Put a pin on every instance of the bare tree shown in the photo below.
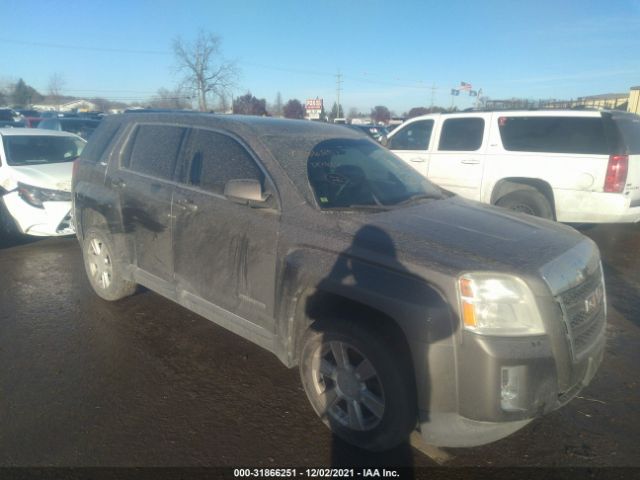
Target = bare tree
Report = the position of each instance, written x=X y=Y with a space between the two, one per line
x=380 y=114
x=56 y=85
x=277 y=106
x=223 y=104
x=205 y=69
x=249 y=105
x=293 y=109
x=173 y=99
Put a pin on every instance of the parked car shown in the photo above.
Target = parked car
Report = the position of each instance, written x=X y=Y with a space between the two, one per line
x=35 y=180
x=400 y=303
x=571 y=166
x=8 y=115
x=28 y=112
x=377 y=132
x=82 y=127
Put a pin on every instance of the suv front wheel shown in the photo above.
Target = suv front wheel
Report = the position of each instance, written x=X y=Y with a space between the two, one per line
x=357 y=385
x=103 y=266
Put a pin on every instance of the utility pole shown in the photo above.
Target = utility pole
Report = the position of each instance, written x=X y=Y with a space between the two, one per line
x=338 y=89
x=433 y=93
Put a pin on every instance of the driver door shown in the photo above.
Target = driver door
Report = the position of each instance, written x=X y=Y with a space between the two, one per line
x=411 y=143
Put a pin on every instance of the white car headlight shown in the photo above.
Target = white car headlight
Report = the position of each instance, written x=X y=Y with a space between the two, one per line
x=498 y=304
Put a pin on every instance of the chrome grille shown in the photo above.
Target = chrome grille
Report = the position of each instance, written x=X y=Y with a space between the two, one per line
x=584 y=310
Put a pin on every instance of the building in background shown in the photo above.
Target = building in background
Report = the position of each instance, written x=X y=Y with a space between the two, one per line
x=74 y=106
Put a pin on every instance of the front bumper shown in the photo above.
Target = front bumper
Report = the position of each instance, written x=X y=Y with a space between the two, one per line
x=52 y=220
x=483 y=416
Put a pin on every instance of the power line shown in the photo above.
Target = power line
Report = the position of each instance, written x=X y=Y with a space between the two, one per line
x=80 y=47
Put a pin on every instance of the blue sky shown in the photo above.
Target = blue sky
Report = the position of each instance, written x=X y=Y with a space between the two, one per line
x=390 y=52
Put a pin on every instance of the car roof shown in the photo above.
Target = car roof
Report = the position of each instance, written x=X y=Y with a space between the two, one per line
x=257 y=125
x=21 y=132
x=530 y=113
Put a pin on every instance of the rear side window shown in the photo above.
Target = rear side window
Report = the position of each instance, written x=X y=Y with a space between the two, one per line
x=414 y=136
x=155 y=150
x=100 y=140
x=214 y=159
x=554 y=134
x=461 y=134
x=629 y=129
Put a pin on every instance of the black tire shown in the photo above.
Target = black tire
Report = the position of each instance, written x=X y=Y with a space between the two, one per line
x=386 y=410
x=8 y=227
x=527 y=201
x=104 y=266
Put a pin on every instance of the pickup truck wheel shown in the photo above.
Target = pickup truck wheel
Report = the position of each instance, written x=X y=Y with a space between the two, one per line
x=103 y=266
x=357 y=385
x=531 y=202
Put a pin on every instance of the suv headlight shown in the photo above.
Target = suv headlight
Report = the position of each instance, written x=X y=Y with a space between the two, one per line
x=34 y=196
x=498 y=304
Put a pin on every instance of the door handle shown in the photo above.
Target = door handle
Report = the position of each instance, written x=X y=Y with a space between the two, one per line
x=417 y=159
x=470 y=162
x=188 y=205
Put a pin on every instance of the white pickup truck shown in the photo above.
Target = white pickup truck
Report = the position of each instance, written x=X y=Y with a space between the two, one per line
x=574 y=166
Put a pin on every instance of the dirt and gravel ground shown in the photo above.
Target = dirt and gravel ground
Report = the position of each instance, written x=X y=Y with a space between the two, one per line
x=144 y=382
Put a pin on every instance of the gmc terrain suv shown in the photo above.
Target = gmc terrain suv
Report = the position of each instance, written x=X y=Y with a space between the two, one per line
x=575 y=166
x=403 y=306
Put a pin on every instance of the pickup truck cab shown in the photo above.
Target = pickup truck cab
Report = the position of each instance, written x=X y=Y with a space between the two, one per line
x=574 y=166
x=402 y=305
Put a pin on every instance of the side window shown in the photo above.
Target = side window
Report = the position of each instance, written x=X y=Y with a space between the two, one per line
x=100 y=141
x=461 y=134
x=155 y=150
x=554 y=134
x=214 y=159
x=414 y=136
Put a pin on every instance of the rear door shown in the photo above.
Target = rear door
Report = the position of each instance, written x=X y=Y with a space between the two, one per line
x=225 y=252
x=145 y=182
x=411 y=143
x=457 y=162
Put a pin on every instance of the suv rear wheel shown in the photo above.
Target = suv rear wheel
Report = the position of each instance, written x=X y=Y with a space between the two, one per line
x=357 y=385
x=531 y=202
x=104 y=267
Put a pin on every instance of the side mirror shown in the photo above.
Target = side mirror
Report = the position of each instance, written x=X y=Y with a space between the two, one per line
x=384 y=141
x=244 y=191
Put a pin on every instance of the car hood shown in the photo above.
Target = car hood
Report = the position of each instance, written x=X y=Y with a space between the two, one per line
x=455 y=235
x=54 y=176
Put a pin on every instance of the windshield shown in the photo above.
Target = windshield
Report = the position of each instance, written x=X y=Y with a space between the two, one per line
x=349 y=173
x=39 y=149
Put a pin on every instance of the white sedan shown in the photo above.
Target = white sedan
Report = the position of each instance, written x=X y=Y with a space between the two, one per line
x=35 y=179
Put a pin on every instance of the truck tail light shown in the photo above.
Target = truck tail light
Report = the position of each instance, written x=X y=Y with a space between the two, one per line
x=616 y=177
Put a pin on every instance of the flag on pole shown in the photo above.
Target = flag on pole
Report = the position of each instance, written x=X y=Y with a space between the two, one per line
x=465 y=86
x=455 y=92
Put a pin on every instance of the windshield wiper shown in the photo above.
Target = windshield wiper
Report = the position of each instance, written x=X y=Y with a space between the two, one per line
x=377 y=208
x=417 y=198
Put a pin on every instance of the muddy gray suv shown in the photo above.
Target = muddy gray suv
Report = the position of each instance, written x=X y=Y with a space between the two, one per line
x=403 y=305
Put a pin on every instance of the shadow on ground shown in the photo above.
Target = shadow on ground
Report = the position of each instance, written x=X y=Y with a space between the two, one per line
x=14 y=240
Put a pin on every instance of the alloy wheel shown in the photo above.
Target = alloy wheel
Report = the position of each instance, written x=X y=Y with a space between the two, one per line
x=347 y=386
